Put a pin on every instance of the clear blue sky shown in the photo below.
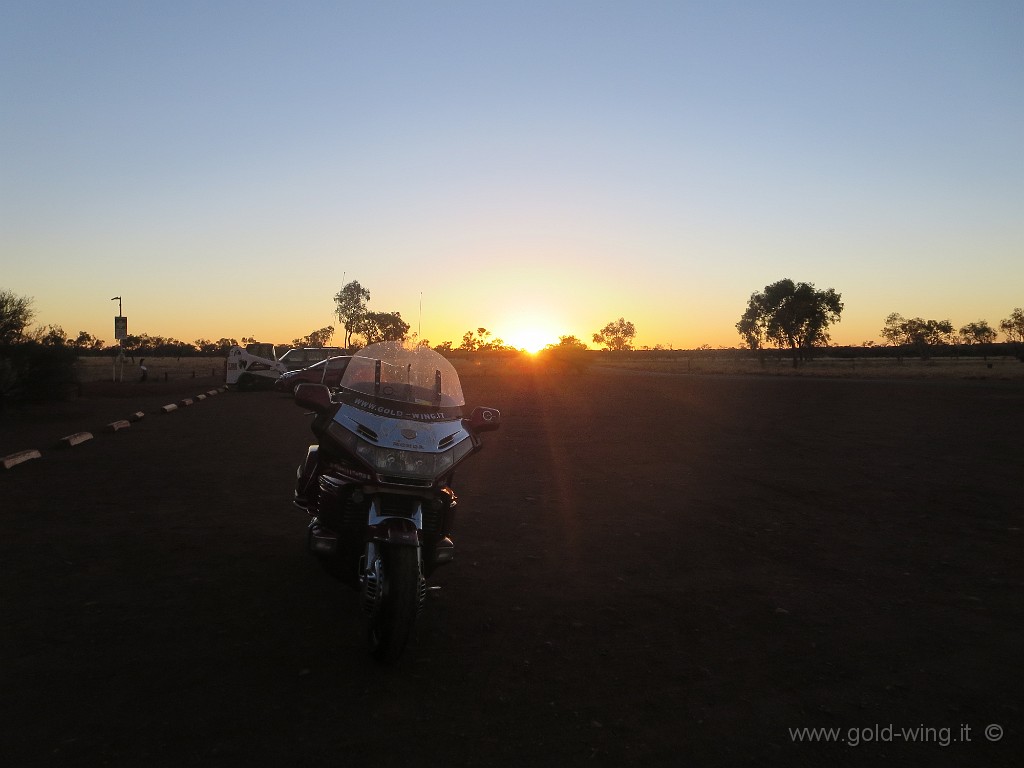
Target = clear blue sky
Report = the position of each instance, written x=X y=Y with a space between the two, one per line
x=224 y=166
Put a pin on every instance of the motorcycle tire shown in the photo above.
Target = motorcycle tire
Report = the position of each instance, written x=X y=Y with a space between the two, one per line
x=391 y=624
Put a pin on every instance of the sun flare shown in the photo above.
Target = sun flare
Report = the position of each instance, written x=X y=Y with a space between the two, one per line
x=532 y=340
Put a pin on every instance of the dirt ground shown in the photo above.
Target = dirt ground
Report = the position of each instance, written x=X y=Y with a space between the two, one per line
x=652 y=570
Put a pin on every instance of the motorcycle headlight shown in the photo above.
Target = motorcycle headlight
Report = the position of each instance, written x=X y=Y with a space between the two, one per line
x=395 y=461
x=427 y=466
x=344 y=437
x=444 y=461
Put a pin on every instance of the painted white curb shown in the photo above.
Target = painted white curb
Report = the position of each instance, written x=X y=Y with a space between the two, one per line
x=116 y=425
x=186 y=402
x=14 y=459
x=76 y=439
x=137 y=416
x=169 y=407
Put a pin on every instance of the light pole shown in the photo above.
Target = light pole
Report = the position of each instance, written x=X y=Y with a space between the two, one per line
x=120 y=333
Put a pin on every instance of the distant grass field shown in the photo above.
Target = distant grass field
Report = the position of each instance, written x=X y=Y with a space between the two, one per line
x=170 y=368
x=888 y=368
x=717 y=364
x=158 y=368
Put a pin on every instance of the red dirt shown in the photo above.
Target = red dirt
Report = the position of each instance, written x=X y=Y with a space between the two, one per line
x=651 y=570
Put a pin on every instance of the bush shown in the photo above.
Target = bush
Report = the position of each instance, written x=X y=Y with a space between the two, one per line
x=32 y=372
x=565 y=358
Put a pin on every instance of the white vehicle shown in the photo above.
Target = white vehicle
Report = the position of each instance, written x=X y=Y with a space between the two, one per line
x=254 y=366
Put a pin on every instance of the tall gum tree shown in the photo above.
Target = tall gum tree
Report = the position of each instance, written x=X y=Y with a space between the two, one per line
x=617 y=336
x=15 y=314
x=350 y=308
x=789 y=314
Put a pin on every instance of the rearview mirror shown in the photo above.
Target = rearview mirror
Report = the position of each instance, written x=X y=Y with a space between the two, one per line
x=316 y=397
x=484 y=419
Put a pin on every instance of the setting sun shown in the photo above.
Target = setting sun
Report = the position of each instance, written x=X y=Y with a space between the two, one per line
x=532 y=340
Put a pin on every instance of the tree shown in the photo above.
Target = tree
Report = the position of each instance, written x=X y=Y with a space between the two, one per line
x=351 y=303
x=618 y=335
x=205 y=346
x=568 y=353
x=789 y=314
x=15 y=314
x=916 y=332
x=86 y=340
x=567 y=343
x=53 y=336
x=480 y=341
x=753 y=323
x=1013 y=326
x=223 y=346
x=473 y=343
x=930 y=333
x=894 y=331
x=318 y=338
x=978 y=333
x=382 y=326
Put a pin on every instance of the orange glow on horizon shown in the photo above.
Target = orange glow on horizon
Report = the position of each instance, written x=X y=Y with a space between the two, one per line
x=528 y=338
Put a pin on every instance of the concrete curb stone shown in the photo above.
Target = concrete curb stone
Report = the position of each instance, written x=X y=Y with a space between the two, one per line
x=74 y=439
x=14 y=459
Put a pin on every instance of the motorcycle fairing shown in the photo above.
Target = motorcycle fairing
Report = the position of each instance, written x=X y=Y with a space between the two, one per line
x=305 y=475
x=390 y=432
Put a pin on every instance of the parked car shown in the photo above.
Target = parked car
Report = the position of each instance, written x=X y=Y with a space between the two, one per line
x=303 y=357
x=327 y=372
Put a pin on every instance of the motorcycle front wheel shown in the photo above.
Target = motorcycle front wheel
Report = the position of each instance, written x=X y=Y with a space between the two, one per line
x=391 y=624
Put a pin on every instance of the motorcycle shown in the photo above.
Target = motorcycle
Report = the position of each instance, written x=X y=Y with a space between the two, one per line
x=377 y=486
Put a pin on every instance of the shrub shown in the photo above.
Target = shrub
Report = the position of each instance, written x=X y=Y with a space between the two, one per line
x=32 y=372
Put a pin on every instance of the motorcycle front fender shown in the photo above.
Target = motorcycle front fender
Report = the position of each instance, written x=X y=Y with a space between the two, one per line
x=395 y=530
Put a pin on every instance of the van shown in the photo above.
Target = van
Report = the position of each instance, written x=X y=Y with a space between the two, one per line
x=303 y=357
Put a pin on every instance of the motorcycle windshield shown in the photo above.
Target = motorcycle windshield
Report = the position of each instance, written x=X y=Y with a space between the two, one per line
x=393 y=379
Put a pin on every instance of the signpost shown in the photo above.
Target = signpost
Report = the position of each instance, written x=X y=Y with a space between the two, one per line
x=120 y=322
x=120 y=333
